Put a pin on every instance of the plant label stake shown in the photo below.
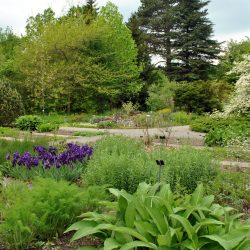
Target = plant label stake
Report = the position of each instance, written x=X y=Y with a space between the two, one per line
x=160 y=163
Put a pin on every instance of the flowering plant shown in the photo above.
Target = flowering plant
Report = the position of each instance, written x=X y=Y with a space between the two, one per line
x=71 y=162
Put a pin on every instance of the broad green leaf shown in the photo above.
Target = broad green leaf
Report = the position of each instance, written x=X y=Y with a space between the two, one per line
x=207 y=222
x=134 y=244
x=84 y=232
x=197 y=196
x=110 y=244
x=81 y=224
x=245 y=245
x=227 y=243
x=207 y=201
x=165 y=240
x=158 y=219
x=130 y=215
x=186 y=224
x=188 y=244
x=124 y=230
x=146 y=228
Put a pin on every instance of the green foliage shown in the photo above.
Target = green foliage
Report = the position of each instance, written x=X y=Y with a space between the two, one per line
x=120 y=162
x=74 y=66
x=68 y=173
x=222 y=130
x=181 y=118
x=11 y=104
x=48 y=209
x=221 y=136
x=233 y=53
x=161 y=95
x=186 y=167
x=153 y=218
x=129 y=108
x=185 y=22
x=107 y=124
x=231 y=189
x=200 y=97
x=47 y=127
x=123 y=163
x=28 y=122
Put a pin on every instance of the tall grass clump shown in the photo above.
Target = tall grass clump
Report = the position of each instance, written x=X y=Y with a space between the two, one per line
x=186 y=167
x=120 y=162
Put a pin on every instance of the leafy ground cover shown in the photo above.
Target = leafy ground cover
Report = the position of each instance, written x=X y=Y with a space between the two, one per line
x=153 y=218
x=222 y=131
x=122 y=164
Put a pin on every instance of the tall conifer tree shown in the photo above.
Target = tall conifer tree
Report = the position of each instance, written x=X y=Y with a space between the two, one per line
x=195 y=49
x=180 y=33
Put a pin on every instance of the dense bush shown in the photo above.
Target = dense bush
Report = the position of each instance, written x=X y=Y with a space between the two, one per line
x=107 y=124
x=123 y=163
x=154 y=218
x=200 y=97
x=161 y=95
x=181 y=118
x=120 y=162
x=186 y=167
x=221 y=131
x=28 y=122
x=37 y=212
x=47 y=127
x=11 y=104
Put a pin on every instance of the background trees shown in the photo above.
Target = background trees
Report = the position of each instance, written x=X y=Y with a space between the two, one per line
x=180 y=33
x=70 y=64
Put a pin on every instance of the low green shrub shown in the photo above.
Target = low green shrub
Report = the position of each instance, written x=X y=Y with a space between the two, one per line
x=11 y=104
x=107 y=124
x=222 y=131
x=186 y=167
x=200 y=96
x=206 y=123
x=42 y=210
x=47 y=127
x=28 y=122
x=181 y=118
x=121 y=162
x=154 y=218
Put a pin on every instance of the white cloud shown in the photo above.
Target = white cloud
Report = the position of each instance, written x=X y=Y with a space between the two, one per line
x=14 y=13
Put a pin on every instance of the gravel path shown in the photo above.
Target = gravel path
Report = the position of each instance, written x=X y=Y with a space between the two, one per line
x=177 y=133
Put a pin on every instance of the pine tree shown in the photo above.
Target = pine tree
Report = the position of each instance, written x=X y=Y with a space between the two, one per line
x=195 y=50
x=157 y=20
x=180 y=33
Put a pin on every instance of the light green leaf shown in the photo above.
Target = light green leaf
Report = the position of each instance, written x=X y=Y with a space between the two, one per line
x=110 y=244
x=134 y=244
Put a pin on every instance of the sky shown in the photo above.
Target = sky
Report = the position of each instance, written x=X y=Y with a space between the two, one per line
x=231 y=18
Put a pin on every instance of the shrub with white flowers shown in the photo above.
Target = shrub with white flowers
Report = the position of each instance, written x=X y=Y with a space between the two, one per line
x=240 y=101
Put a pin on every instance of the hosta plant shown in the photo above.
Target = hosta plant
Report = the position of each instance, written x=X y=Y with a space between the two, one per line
x=154 y=218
